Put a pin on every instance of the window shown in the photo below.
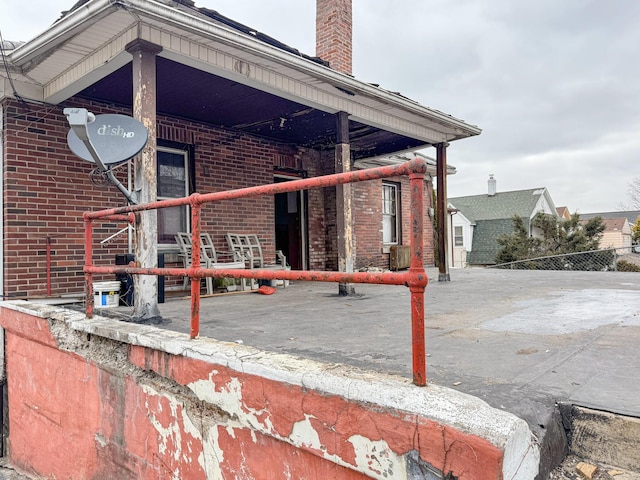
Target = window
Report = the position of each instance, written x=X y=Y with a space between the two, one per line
x=173 y=182
x=458 y=238
x=389 y=213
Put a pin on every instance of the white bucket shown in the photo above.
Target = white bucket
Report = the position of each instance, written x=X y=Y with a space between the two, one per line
x=106 y=294
x=279 y=282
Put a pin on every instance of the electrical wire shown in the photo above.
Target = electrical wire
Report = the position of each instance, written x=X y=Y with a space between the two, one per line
x=6 y=69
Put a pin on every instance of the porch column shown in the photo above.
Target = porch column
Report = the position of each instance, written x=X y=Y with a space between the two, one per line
x=441 y=207
x=145 y=177
x=344 y=217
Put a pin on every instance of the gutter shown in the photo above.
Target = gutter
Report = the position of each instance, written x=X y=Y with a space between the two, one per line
x=62 y=30
x=94 y=10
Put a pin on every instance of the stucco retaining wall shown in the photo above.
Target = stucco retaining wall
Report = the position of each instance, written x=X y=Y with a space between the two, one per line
x=103 y=399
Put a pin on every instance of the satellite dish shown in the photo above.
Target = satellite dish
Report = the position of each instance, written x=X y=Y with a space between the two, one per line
x=116 y=138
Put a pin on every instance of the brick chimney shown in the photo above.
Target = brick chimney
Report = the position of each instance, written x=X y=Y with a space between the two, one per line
x=334 y=33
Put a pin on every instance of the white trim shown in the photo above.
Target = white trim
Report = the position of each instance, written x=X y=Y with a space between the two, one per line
x=88 y=71
x=397 y=213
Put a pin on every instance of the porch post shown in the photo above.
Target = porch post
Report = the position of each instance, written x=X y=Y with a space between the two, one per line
x=441 y=207
x=145 y=177
x=344 y=217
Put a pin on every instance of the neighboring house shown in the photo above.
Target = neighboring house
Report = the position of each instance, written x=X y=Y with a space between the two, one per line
x=617 y=233
x=478 y=221
x=231 y=108
x=563 y=213
x=631 y=215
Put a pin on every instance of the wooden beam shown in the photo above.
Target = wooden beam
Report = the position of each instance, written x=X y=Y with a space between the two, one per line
x=344 y=212
x=145 y=177
x=443 y=216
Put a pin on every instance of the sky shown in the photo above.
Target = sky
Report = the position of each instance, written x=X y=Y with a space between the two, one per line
x=554 y=85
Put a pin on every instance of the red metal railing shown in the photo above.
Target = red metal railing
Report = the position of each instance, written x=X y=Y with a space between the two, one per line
x=415 y=278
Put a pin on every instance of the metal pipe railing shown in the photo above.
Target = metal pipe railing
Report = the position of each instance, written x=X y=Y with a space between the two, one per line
x=415 y=278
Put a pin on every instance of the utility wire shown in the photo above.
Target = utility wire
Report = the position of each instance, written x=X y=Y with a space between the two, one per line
x=6 y=69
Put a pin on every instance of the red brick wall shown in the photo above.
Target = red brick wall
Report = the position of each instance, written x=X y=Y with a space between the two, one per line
x=367 y=200
x=367 y=212
x=322 y=254
x=46 y=190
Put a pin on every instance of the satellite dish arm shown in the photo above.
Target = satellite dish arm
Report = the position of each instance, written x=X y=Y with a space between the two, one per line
x=78 y=119
x=112 y=177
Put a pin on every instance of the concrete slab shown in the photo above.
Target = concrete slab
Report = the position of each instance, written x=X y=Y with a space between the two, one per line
x=520 y=340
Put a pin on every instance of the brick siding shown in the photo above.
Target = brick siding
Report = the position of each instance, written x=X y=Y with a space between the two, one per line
x=334 y=33
x=47 y=189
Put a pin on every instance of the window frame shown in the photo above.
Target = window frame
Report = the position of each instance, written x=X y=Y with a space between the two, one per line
x=187 y=156
x=458 y=240
x=395 y=187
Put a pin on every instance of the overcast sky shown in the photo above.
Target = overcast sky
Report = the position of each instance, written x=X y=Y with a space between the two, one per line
x=554 y=85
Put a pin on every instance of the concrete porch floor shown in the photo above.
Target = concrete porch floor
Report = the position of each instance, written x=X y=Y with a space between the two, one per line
x=520 y=340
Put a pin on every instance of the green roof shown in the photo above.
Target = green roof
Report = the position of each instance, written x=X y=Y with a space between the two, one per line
x=499 y=206
x=492 y=217
x=485 y=240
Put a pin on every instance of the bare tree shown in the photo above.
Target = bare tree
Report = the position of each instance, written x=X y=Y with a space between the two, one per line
x=633 y=192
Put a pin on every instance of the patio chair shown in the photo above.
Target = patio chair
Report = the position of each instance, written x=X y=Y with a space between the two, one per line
x=209 y=257
x=248 y=247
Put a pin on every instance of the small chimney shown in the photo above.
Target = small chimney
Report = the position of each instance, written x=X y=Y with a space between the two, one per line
x=492 y=185
x=334 y=33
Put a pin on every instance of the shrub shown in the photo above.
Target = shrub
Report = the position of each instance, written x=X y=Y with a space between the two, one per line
x=624 y=266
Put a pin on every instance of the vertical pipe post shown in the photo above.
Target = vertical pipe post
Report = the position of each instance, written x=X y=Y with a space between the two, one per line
x=441 y=172
x=344 y=212
x=145 y=175
x=195 y=263
x=418 y=280
x=88 y=262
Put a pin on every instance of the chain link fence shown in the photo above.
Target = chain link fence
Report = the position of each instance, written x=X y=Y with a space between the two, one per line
x=607 y=260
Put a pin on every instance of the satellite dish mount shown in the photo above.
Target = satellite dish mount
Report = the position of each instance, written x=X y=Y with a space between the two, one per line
x=105 y=140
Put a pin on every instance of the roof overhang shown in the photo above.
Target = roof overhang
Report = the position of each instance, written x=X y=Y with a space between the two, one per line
x=86 y=48
x=400 y=158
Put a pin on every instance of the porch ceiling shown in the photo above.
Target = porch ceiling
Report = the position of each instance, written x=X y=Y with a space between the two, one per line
x=186 y=92
x=214 y=71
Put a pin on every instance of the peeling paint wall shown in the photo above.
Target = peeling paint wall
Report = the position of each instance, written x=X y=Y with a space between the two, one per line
x=105 y=399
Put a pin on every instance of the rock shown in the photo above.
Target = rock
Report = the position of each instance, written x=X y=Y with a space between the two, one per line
x=586 y=470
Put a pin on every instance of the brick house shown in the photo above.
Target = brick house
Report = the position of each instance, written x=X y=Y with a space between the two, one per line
x=232 y=108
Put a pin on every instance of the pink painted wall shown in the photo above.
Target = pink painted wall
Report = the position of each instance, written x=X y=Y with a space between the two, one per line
x=85 y=406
